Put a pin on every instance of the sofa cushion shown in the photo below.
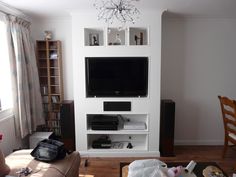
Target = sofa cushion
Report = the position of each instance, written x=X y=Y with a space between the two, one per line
x=4 y=169
x=69 y=166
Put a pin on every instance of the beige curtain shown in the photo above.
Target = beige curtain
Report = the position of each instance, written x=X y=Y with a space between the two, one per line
x=27 y=100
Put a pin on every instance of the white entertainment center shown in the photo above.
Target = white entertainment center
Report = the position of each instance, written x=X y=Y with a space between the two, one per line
x=91 y=38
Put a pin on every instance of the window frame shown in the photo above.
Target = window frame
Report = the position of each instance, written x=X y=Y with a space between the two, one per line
x=6 y=113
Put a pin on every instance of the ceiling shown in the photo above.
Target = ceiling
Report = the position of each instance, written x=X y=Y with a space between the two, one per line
x=192 y=8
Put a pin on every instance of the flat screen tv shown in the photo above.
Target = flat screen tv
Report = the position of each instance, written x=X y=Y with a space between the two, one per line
x=116 y=76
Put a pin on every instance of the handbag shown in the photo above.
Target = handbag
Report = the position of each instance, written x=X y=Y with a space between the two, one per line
x=49 y=150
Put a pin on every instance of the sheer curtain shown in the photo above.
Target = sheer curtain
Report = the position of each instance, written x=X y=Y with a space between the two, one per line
x=27 y=101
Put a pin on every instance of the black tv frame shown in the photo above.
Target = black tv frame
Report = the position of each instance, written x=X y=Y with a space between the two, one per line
x=122 y=93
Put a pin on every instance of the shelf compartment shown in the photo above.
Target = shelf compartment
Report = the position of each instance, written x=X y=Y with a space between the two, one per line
x=42 y=54
x=138 y=36
x=43 y=71
x=138 y=141
x=54 y=80
x=53 y=63
x=115 y=36
x=93 y=37
x=53 y=45
x=55 y=91
x=132 y=118
x=43 y=81
x=54 y=72
x=41 y=45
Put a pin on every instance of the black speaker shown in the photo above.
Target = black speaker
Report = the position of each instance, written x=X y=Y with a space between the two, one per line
x=167 y=128
x=67 y=121
x=117 y=106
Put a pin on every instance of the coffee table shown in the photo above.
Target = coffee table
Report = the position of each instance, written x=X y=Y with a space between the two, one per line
x=197 y=170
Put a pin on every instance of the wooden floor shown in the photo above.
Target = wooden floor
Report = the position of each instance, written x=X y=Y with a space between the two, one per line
x=110 y=167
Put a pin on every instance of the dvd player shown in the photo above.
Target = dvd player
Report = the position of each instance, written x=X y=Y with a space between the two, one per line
x=102 y=143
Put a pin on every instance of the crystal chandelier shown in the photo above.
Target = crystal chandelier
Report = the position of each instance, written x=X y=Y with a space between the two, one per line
x=122 y=10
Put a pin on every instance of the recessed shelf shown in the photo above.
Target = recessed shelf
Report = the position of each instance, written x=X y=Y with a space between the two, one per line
x=116 y=36
x=132 y=36
x=93 y=37
x=138 y=141
x=138 y=36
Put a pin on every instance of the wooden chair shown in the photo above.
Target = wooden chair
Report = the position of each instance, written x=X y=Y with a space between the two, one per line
x=228 y=109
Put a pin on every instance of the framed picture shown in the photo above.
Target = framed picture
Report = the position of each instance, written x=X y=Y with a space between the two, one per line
x=94 y=39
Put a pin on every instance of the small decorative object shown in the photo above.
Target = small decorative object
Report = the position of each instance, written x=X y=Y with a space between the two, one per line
x=174 y=171
x=190 y=166
x=47 y=35
x=94 y=39
x=140 y=39
x=4 y=168
x=117 y=40
x=121 y=10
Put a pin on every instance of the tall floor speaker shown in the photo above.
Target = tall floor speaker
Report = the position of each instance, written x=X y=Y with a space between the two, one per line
x=67 y=120
x=167 y=126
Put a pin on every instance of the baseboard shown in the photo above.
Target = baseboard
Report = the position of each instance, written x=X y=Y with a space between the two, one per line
x=199 y=142
x=120 y=154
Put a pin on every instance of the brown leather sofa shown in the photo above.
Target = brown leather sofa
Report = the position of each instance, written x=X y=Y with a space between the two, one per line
x=67 y=167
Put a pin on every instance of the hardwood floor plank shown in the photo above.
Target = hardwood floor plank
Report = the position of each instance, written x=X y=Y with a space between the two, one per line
x=110 y=167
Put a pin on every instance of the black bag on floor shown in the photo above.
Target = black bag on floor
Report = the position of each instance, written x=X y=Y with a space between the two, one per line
x=49 y=150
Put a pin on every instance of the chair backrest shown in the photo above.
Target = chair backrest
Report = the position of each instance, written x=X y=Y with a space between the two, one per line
x=228 y=109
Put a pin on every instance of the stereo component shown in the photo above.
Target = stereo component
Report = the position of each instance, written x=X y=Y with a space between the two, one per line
x=167 y=126
x=117 y=106
x=67 y=121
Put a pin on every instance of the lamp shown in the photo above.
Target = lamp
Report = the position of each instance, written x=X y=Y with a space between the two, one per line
x=122 y=10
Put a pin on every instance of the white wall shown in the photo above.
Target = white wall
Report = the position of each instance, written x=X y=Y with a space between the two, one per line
x=61 y=30
x=10 y=141
x=198 y=64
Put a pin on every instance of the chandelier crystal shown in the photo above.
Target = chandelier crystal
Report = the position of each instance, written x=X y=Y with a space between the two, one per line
x=122 y=10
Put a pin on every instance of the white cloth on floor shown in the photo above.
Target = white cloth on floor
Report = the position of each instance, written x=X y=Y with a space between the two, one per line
x=147 y=168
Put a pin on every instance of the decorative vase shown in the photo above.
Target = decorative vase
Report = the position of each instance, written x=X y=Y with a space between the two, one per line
x=4 y=168
x=117 y=40
x=47 y=35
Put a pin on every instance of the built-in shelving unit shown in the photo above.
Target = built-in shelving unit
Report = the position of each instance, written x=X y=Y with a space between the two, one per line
x=51 y=85
x=133 y=36
x=94 y=39
x=139 y=138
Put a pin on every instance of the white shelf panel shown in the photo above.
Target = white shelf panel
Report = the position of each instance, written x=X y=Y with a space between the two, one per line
x=145 y=132
x=137 y=146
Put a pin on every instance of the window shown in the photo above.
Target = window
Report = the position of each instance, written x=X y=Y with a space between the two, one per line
x=5 y=80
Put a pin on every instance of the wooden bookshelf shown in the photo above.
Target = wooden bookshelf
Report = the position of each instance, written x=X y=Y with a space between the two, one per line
x=49 y=61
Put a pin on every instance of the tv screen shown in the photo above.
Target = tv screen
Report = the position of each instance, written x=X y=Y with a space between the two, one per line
x=116 y=76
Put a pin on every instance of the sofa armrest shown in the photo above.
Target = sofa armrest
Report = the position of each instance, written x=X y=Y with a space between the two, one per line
x=69 y=166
